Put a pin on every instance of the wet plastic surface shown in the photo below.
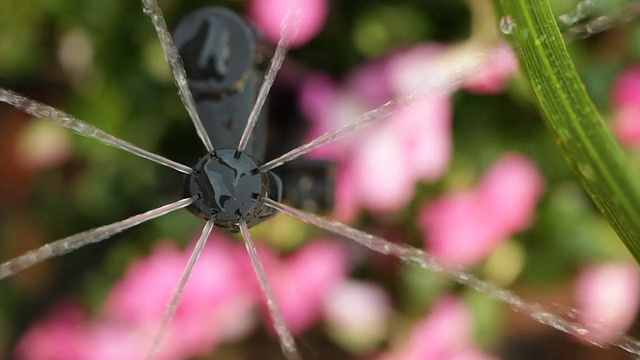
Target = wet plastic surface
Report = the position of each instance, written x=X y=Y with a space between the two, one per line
x=227 y=183
x=219 y=52
x=222 y=62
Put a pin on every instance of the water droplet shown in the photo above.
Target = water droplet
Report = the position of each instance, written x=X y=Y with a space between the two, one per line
x=581 y=331
x=507 y=24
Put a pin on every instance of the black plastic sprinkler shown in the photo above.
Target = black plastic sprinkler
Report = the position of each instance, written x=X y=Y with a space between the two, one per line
x=225 y=66
x=220 y=58
x=220 y=54
x=228 y=187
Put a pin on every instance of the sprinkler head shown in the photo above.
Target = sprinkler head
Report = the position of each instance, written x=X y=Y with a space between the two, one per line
x=228 y=187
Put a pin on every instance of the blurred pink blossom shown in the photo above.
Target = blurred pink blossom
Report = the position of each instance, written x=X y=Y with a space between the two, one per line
x=216 y=304
x=302 y=281
x=626 y=104
x=421 y=70
x=380 y=166
x=626 y=126
x=607 y=297
x=498 y=67
x=105 y=340
x=433 y=68
x=626 y=90
x=217 y=277
x=445 y=334
x=462 y=228
x=357 y=314
x=511 y=189
x=268 y=16
x=328 y=107
x=58 y=337
x=68 y=334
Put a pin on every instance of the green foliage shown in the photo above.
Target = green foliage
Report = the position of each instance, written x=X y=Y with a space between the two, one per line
x=573 y=119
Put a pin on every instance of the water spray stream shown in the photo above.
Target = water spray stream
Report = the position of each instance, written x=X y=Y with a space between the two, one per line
x=151 y=8
x=68 y=244
x=290 y=23
x=176 y=295
x=418 y=257
x=287 y=343
x=61 y=118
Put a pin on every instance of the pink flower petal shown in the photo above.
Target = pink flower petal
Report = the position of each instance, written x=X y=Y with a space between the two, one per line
x=626 y=89
x=471 y=354
x=381 y=166
x=268 y=16
x=328 y=107
x=216 y=303
x=129 y=298
x=302 y=281
x=464 y=227
x=106 y=340
x=511 y=189
x=444 y=334
x=607 y=297
x=459 y=230
x=371 y=82
x=428 y=117
x=382 y=181
x=346 y=200
x=390 y=158
x=316 y=96
x=357 y=313
x=419 y=71
x=492 y=77
x=626 y=104
x=626 y=126
x=60 y=336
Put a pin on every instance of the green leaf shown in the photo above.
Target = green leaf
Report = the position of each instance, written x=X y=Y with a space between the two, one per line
x=578 y=128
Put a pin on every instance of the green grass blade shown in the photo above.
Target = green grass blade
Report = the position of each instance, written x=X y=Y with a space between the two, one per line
x=578 y=128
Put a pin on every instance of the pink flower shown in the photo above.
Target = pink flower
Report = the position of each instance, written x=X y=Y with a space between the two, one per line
x=511 y=189
x=372 y=81
x=216 y=304
x=607 y=297
x=390 y=159
x=327 y=107
x=59 y=337
x=626 y=103
x=357 y=314
x=421 y=70
x=439 y=69
x=444 y=334
x=462 y=228
x=105 y=340
x=498 y=67
x=626 y=126
x=302 y=281
x=626 y=90
x=268 y=16
x=380 y=167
